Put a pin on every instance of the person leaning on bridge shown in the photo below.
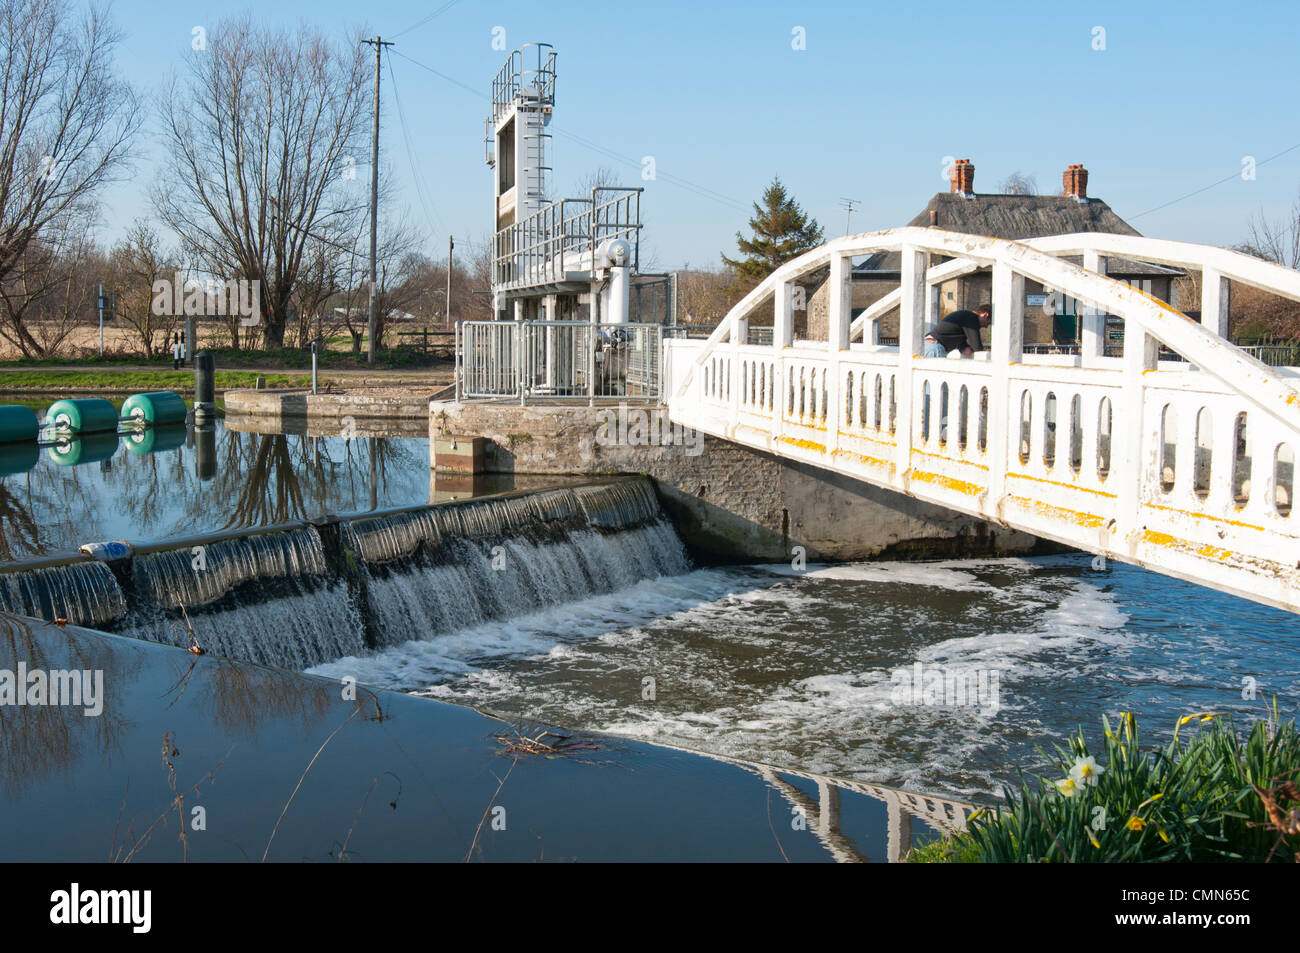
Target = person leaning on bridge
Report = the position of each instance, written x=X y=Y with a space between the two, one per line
x=932 y=346
x=960 y=331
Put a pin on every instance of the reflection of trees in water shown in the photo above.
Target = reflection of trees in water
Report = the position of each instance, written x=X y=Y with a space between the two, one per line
x=259 y=479
x=270 y=492
x=39 y=741
x=19 y=534
x=242 y=698
x=299 y=477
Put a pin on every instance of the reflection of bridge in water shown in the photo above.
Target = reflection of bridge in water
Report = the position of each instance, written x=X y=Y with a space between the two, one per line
x=945 y=816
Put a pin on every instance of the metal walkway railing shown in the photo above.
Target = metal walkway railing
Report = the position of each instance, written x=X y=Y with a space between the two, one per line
x=549 y=361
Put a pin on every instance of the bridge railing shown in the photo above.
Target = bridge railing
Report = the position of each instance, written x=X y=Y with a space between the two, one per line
x=1187 y=466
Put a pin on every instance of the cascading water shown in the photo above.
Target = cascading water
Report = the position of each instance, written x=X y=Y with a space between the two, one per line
x=83 y=593
x=294 y=599
x=267 y=598
x=435 y=571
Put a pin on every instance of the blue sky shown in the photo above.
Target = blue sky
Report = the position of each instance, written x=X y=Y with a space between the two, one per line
x=881 y=94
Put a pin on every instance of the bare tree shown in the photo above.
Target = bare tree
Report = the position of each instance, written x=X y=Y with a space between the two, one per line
x=601 y=178
x=350 y=306
x=65 y=126
x=704 y=296
x=262 y=138
x=46 y=293
x=319 y=280
x=1256 y=314
x=1017 y=183
x=1276 y=241
x=135 y=263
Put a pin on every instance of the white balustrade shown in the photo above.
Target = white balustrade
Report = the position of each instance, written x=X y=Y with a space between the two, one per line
x=1184 y=467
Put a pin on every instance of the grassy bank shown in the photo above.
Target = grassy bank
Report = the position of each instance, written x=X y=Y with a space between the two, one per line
x=1210 y=795
x=401 y=358
x=63 y=381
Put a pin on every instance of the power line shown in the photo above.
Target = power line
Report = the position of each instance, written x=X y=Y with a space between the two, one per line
x=441 y=10
x=675 y=180
x=1212 y=185
x=451 y=79
x=430 y=211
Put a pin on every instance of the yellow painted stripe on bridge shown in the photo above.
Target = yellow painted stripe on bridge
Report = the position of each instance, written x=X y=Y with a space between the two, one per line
x=1200 y=549
x=947 y=459
x=863 y=458
x=1090 y=520
x=1068 y=486
x=947 y=482
x=1204 y=516
x=803 y=444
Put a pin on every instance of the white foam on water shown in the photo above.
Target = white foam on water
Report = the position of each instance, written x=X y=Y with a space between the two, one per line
x=549 y=632
x=929 y=575
x=841 y=721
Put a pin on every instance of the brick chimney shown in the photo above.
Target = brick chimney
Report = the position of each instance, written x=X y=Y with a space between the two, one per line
x=962 y=177
x=1075 y=181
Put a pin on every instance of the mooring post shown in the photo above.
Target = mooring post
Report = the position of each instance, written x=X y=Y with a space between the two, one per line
x=205 y=392
x=313 y=368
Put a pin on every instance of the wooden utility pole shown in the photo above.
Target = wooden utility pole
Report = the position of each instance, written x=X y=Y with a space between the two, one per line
x=450 y=245
x=379 y=45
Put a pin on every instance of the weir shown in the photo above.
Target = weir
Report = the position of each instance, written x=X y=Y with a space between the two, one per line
x=299 y=595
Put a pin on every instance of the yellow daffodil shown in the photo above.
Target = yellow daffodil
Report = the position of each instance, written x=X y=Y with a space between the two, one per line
x=1093 y=837
x=1150 y=800
x=1163 y=836
x=1135 y=823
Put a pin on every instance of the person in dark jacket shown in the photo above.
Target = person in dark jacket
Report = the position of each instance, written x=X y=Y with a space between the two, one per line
x=960 y=331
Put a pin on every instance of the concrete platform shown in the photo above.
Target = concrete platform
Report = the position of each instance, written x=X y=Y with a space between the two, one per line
x=384 y=403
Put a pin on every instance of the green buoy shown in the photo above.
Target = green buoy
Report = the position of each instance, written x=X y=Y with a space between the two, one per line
x=82 y=415
x=18 y=457
x=155 y=439
x=18 y=423
x=91 y=448
x=154 y=408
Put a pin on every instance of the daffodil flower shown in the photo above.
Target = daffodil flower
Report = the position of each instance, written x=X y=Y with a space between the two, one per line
x=1086 y=770
x=1068 y=787
x=1093 y=837
x=1163 y=836
x=1135 y=823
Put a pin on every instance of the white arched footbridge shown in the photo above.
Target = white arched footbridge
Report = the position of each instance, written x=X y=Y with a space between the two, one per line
x=1184 y=467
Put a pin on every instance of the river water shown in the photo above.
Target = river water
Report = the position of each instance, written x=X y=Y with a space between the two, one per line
x=810 y=669
x=797 y=668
